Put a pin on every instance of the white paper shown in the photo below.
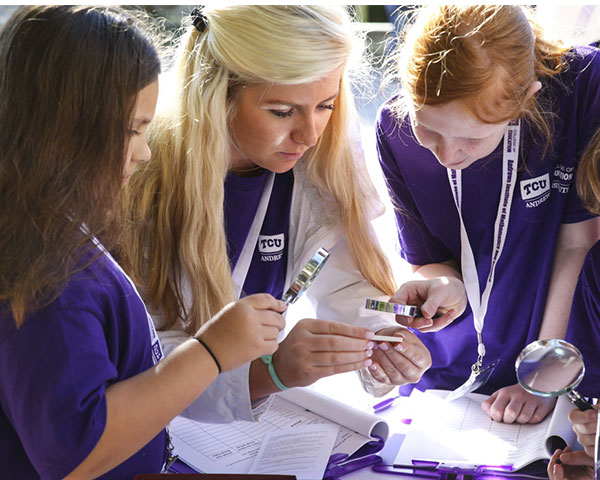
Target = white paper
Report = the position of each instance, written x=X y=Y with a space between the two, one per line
x=231 y=448
x=460 y=432
x=302 y=451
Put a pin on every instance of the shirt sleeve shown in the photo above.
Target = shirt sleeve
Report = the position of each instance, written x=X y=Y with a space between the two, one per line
x=55 y=369
x=417 y=245
x=586 y=90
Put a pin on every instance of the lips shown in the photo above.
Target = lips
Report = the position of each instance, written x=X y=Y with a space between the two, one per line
x=291 y=156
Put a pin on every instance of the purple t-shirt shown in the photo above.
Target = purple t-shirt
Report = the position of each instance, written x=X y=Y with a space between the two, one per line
x=544 y=198
x=267 y=270
x=584 y=324
x=55 y=369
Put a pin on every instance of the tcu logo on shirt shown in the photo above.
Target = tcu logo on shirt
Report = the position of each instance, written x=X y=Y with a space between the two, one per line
x=535 y=191
x=271 y=247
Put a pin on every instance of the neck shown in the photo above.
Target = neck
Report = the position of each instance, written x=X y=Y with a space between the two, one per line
x=254 y=171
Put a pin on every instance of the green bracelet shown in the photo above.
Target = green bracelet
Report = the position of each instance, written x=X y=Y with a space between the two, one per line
x=268 y=360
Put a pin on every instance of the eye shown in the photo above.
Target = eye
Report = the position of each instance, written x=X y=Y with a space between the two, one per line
x=329 y=106
x=282 y=114
x=133 y=133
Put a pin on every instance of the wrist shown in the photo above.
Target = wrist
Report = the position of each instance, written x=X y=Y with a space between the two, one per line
x=268 y=360
x=209 y=350
x=259 y=382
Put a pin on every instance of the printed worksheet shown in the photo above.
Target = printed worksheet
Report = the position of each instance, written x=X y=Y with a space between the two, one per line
x=231 y=448
x=460 y=432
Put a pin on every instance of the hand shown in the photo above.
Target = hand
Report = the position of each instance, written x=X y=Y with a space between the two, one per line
x=244 y=330
x=318 y=348
x=441 y=295
x=399 y=363
x=513 y=404
x=573 y=465
x=584 y=425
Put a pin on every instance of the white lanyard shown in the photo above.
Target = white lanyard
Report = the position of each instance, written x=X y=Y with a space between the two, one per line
x=478 y=301
x=243 y=264
x=157 y=352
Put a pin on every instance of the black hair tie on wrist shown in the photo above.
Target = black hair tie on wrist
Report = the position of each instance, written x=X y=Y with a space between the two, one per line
x=199 y=20
x=210 y=352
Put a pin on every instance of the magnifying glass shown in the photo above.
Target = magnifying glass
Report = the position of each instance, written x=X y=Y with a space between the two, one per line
x=550 y=368
x=296 y=290
x=306 y=276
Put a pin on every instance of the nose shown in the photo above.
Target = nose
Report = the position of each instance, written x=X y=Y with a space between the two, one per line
x=307 y=131
x=447 y=152
x=141 y=151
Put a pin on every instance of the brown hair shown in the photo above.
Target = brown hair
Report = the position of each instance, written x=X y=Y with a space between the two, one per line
x=69 y=77
x=485 y=56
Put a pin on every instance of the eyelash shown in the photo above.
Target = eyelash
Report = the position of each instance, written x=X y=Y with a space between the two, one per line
x=289 y=113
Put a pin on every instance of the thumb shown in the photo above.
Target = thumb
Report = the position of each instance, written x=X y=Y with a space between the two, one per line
x=264 y=301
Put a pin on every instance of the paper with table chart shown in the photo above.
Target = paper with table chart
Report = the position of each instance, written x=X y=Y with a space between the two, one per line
x=231 y=448
x=460 y=432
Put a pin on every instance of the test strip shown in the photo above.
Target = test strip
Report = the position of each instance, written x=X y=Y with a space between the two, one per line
x=395 y=308
x=386 y=338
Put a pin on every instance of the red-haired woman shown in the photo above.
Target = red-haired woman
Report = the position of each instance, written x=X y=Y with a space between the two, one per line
x=479 y=152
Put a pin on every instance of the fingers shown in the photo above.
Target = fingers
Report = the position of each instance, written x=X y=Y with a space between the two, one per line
x=264 y=301
x=578 y=457
x=330 y=327
x=435 y=324
x=555 y=471
x=512 y=404
x=494 y=406
x=589 y=417
x=400 y=363
x=268 y=318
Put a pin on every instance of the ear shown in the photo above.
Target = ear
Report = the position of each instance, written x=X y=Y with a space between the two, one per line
x=533 y=89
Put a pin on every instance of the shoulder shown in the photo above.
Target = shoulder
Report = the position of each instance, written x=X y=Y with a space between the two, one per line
x=389 y=120
x=582 y=65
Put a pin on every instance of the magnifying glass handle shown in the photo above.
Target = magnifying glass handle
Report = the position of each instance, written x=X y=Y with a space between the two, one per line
x=580 y=402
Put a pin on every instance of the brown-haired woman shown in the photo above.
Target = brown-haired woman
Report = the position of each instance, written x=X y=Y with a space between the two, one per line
x=497 y=223
x=82 y=394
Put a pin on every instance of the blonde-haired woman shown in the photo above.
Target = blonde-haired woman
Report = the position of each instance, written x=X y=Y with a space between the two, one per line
x=497 y=222
x=253 y=170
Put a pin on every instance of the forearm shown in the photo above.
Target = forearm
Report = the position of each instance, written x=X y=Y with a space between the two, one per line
x=449 y=268
x=139 y=408
x=565 y=271
x=572 y=246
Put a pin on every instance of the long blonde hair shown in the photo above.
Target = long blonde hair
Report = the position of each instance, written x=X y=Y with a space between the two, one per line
x=485 y=56
x=176 y=201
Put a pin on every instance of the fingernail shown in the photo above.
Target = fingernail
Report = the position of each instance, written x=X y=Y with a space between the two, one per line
x=399 y=347
x=371 y=345
x=369 y=335
x=427 y=323
x=369 y=363
x=384 y=346
x=369 y=352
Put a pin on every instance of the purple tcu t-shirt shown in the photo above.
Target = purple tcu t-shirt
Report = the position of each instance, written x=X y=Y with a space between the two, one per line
x=584 y=324
x=55 y=369
x=545 y=197
x=267 y=270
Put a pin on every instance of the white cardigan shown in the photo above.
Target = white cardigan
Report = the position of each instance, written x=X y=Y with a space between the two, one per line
x=338 y=293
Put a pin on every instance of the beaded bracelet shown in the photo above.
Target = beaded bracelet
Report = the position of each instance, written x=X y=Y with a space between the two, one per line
x=209 y=351
x=268 y=360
